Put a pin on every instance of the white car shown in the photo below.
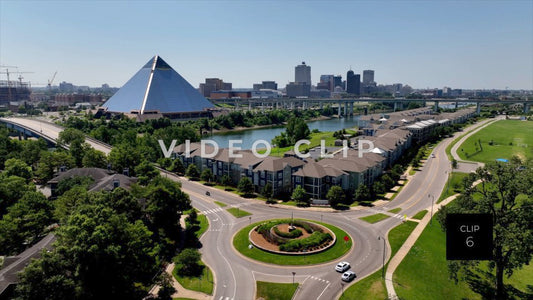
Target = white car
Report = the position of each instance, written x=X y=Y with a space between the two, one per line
x=348 y=276
x=342 y=266
x=432 y=155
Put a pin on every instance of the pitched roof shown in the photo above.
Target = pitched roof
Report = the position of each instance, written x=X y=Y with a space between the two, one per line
x=157 y=87
x=274 y=164
x=103 y=179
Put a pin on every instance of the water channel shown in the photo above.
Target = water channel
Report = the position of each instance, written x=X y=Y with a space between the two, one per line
x=249 y=136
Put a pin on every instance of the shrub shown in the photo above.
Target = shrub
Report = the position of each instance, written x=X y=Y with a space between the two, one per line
x=314 y=240
x=290 y=235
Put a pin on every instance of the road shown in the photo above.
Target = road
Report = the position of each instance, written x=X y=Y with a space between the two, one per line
x=235 y=275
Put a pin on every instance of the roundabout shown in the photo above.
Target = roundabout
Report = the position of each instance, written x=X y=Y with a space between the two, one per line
x=307 y=242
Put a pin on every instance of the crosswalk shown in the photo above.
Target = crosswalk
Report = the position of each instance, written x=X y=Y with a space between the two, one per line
x=319 y=279
x=384 y=210
x=212 y=211
x=227 y=298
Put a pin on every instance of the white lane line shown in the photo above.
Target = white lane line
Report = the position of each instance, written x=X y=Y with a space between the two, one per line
x=322 y=292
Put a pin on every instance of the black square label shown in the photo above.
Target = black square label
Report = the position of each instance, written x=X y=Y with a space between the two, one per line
x=469 y=236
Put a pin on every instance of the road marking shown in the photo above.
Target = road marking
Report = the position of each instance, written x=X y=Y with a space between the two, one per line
x=323 y=292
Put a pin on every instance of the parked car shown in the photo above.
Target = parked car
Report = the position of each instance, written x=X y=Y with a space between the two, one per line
x=348 y=276
x=342 y=266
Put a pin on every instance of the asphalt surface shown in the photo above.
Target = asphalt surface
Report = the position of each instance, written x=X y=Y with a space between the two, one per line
x=235 y=275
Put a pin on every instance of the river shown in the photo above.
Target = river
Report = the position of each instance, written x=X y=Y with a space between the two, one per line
x=249 y=136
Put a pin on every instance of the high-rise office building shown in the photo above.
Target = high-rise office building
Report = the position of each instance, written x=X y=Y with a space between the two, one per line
x=270 y=85
x=302 y=73
x=353 y=83
x=326 y=83
x=337 y=82
x=368 y=77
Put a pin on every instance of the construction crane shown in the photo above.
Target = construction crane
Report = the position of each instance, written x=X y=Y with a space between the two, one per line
x=51 y=81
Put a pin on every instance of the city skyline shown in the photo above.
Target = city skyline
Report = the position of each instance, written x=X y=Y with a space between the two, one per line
x=469 y=45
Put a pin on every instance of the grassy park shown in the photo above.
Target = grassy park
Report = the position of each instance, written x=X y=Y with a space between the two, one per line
x=502 y=139
x=427 y=259
x=275 y=291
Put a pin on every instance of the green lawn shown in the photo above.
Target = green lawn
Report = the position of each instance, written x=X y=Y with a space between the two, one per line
x=241 y=242
x=510 y=137
x=374 y=218
x=419 y=215
x=423 y=274
x=238 y=213
x=453 y=186
x=221 y=204
x=315 y=139
x=204 y=224
x=275 y=291
x=202 y=284
x=427 y=259
x=373 y=287
x=395 y=210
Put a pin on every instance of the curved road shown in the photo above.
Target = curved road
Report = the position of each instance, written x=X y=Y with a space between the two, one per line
x=235 y=275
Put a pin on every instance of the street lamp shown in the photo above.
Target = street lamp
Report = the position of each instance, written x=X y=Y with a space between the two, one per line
x=293 y=273
x=431 y=220
x=383 y=267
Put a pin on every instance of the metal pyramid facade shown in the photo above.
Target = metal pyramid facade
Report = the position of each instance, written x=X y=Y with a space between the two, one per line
x=156 y=87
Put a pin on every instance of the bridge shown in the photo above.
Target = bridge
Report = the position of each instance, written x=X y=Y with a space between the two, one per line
x=348 y=103
x=32 y=127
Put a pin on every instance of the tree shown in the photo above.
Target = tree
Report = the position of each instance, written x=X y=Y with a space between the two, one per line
x=454 y=163
x=245 y=186
x=387 y=181
x=145 y=172
x=335 y=196
x=94 y=159
x=506 y=193
x=124 y=156
x=225 y=180
x=17 y=167
x=166 y=289
x=300 y=196
x=12 y=188
x=378 y=187
x=192 y=171
x=165 y=202
x=96 y=245
x=75 y=140
x=50 y=162
x=297 y=130
x=207 y=175
x=267 y=190
x=24 y=222
x=192 y=218
x=68 y=183
x=362 y=193
x=188 y=262
x=177 y=166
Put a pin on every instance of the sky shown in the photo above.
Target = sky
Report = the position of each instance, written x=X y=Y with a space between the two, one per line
x=426 y=44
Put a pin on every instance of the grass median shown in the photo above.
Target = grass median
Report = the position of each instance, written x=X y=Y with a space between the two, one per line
x=238 y=213
x=275 y=291
x=241 y=243
x=375 y=218
x=203 y=283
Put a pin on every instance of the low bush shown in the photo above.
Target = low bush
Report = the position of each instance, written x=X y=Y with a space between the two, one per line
x=314 y=240
x=290 y=235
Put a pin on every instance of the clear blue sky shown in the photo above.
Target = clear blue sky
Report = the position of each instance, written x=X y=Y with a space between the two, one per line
x=461 y=44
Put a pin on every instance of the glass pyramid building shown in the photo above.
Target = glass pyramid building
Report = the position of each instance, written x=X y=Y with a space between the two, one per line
x=157 y=88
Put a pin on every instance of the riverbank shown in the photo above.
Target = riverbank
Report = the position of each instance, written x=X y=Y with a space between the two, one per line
x=242 y=128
